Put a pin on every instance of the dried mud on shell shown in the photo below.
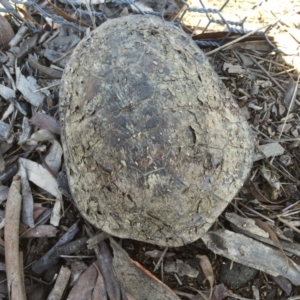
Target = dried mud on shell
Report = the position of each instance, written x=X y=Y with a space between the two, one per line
x=155 y=146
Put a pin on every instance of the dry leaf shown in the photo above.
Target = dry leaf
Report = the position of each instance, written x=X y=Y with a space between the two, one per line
x=270 y=177
x=137 y=280
x=249 y=252
x=99 y=292
x=3 y=193
x=41 y=231
x=44 y=121
x=53 y=158
x=220 y=292
x=55 y=215
x=85 y=284
x=47 y=260
x=27 y=86
x=6 y=92
x=180 y=268
x=41 y=177
x=27 y=207
x=26 y=130
x=157 y=254
x=4 y=131
x=207 y=270
x=60 y=284
x=267 y=228
x=43 y=70
x=42 y=135
x=284 y=284
x=268 y=150
x=77 y=268
x=6 y=33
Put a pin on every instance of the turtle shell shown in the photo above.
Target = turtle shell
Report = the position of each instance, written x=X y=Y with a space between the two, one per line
x=155 y=147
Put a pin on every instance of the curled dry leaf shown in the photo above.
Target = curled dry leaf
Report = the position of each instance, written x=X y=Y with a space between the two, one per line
x=6 y=33
x=207 y=270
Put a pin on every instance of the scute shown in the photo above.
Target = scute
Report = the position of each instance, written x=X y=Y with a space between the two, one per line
x=155 y=147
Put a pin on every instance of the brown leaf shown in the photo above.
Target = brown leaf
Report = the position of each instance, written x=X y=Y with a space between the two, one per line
x=207 y=270
x=44 y=121
x=267 y=228
x=41 y=231
x=135 y=278
x=84 y=285
x=257 y=193
x=220 y=292
x=6 y=33
x=284 y=283
x=99 y=292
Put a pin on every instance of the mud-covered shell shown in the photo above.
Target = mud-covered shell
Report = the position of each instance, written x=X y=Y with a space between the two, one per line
x=155 y=146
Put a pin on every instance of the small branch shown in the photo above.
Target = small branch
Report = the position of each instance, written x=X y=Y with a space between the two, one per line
x=14 y=270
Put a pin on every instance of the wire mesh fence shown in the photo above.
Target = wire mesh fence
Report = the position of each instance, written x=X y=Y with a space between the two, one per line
x=188 y=14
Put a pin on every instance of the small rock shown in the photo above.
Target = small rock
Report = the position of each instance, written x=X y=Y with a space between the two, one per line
x=238 y=276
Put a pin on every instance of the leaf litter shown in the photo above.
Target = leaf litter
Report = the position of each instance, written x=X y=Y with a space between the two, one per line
x=60 y=252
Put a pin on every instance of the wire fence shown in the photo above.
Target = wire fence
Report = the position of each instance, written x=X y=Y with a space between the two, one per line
x=97 y=9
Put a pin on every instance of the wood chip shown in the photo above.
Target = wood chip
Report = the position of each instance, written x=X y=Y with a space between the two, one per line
x=268 y=150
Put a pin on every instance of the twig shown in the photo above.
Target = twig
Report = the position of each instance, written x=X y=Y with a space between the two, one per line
x=160 y=259
x=288 y=224
x=267 y=73
x=16 y=288
x=236 y=40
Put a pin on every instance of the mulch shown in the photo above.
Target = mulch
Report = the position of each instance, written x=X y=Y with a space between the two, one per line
x=48 y=251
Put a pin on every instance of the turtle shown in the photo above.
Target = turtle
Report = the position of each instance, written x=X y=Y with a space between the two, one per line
x=155 y=146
